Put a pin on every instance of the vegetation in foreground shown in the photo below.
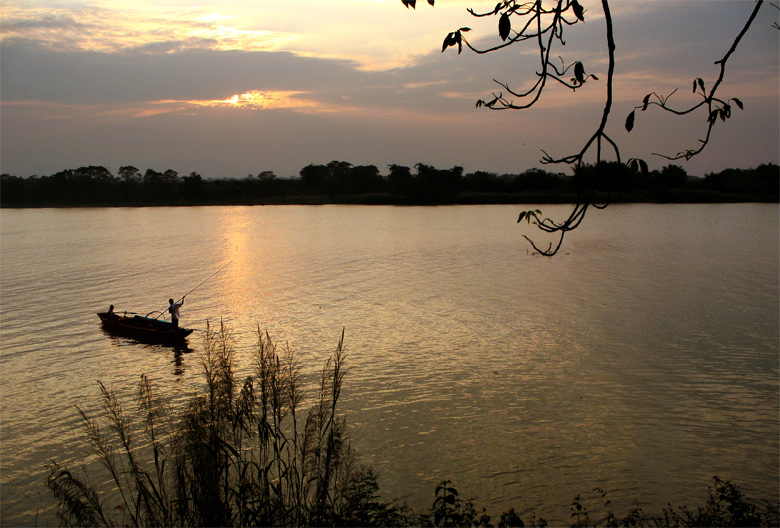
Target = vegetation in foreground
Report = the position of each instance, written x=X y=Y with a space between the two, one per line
x=243 y=453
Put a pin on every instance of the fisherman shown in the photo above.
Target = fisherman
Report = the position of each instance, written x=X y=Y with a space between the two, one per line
x=111 y=312
x=173 y=309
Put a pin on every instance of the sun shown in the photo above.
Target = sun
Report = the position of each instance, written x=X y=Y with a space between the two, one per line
x=264 y=100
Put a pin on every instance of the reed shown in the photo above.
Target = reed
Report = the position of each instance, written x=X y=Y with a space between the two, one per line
x=243 y=453
x=240 y=454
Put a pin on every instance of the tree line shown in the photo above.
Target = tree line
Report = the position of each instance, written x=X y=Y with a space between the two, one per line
x=343 y=182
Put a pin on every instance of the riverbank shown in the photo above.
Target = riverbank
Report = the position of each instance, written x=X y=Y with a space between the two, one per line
x=668 y=196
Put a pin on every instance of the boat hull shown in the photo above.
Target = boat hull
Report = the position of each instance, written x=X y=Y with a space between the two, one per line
x=143 y=328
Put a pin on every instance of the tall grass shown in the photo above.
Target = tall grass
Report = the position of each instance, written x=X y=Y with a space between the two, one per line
x=242 y=453
x=245 y=453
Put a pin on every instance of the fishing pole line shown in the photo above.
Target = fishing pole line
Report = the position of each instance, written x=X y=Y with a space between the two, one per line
x=206 y=280
x=196 y=287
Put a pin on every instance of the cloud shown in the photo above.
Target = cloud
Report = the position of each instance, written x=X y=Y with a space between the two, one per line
x=276 y=88
x=193 y=71
x=32 y=72
x=694 y=36
x=90 y=56
x=113 y=30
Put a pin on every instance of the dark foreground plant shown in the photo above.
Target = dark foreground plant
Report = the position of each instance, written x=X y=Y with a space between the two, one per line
x=240 y=454
x=450 y=510
x=726 y=505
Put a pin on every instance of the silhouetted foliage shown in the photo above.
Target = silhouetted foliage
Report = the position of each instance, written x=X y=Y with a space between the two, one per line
x=539 y=180
x=542 y=24
x=400 y=180
x=762 y=180
x=341 y=182
x=129 y=174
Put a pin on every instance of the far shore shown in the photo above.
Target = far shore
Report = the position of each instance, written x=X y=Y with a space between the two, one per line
x=672 y=196
x=343 y=183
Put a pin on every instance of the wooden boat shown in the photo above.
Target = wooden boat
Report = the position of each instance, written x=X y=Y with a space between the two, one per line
x=143 y=328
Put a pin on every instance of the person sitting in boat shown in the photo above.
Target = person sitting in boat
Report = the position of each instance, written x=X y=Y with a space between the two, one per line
x=111 y=314
x=173 y=309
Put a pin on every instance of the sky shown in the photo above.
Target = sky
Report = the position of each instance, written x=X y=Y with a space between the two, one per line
x=228 y=89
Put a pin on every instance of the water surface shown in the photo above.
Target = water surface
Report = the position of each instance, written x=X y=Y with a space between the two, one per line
x=642 y=359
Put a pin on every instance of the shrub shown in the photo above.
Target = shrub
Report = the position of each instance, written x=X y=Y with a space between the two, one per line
x=726 y=505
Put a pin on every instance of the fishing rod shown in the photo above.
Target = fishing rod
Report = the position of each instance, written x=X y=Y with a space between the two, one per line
x=204 y=282
x=196 y=287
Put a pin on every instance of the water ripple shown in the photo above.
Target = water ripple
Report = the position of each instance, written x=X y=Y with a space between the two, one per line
x=642 y=360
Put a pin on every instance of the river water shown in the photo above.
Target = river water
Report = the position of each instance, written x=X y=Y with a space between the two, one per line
x=642 y=359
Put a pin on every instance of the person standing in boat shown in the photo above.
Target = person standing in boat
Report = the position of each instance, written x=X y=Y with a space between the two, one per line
x=173 y=309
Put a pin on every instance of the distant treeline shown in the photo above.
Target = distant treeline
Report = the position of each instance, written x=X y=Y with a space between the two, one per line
x=342 y=182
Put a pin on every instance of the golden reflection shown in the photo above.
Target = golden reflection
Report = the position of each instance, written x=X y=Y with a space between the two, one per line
x=235 y=229
x=244 y=238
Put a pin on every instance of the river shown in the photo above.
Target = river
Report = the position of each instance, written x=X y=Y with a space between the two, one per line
x=643 y=359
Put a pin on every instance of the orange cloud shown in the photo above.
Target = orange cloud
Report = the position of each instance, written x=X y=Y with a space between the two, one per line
x=256 y=99
x=112 y=30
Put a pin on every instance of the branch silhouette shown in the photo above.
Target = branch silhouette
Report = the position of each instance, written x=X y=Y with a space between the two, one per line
x=717 y=108
x=526 y=22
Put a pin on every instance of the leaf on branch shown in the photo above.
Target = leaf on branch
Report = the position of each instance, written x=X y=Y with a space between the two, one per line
x=700 y=82
x=645 y=102
x=638 y=165
x=504 y=26
x=738 y=103
x=450 y=40
x=713 y=116
x=579 y=72
x=409 y=3
x=579 y=12
x=630 y=121
x=528 y=215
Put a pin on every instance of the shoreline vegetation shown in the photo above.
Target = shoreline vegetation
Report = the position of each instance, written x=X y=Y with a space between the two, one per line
x=340 y=182
x=244 y=453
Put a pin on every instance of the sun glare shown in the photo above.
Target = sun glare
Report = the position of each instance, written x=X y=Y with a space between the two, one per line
x=260 y=100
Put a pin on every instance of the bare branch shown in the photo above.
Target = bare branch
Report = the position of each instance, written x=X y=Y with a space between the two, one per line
x=546 y=26
x=716 y=107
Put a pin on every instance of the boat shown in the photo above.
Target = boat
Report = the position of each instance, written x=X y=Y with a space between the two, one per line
x=143 y=328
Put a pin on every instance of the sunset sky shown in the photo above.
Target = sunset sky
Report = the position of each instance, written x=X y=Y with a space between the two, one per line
x=232 y=88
